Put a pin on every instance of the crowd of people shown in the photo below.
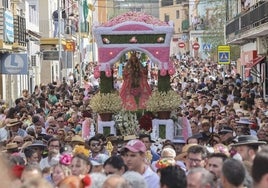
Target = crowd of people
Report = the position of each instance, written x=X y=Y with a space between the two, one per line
x=46 y=141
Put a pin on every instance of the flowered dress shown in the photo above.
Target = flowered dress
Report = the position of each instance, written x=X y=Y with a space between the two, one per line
x=135 y=90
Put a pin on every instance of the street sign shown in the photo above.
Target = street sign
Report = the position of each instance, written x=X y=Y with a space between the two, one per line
x=14 y=64
x=51 y=55
x=224 y=55
x=206 y=47
x=181 y=44
x=196 y=46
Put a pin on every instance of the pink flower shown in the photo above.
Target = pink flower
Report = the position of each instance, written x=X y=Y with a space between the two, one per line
x=66 y=159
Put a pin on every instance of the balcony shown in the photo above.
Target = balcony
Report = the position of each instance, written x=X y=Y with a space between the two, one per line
x=248 y=25
x=19 y=33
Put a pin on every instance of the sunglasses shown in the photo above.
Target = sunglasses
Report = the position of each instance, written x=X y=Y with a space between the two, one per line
x=95 y=145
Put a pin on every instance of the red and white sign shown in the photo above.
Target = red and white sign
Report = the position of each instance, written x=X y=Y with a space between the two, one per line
x=181 y=44
x=196 y=46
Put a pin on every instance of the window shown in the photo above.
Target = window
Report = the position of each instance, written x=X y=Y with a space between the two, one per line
x=33 y=60
x=177 y=14
x=166 y=18
x=33 y=15
x=5 y=3
x=166 y=3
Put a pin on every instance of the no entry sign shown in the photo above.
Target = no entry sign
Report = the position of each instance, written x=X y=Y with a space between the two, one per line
x=181 y=44
x=196 y=46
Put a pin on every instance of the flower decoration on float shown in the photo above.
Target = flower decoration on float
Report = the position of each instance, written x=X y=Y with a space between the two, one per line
x=133 y=40
x=135 y=16
x=146 y=121
x=171 y=68
x=163 y=101
x=163 y=71
x=106 y=103
x=97 y=71
x=160 y=39
x=106 y=41
x=108 y=72
x=127 y=123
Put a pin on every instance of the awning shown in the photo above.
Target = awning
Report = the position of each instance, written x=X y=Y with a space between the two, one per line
x=255 y=61
x=33 y=34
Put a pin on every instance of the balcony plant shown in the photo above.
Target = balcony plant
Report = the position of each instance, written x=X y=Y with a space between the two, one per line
x=163 y=101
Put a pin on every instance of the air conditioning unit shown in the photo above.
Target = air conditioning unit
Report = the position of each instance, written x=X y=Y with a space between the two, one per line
x=262 y=45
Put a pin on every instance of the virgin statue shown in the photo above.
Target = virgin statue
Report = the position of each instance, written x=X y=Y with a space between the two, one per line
x=135 y=90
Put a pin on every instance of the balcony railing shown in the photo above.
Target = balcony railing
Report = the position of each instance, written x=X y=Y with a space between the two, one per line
x=20 y=30
x=256 y=16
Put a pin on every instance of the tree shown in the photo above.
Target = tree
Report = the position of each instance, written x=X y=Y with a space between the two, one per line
x=214 y=30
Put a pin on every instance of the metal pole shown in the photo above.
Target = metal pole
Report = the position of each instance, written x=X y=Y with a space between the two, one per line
x=59 y=37
x=91 y=33
x=80 y=42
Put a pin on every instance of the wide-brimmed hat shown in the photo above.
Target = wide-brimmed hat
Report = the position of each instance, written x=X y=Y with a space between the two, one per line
x=247 y=140
x=12 y=145
x=244 y=120
x=225 y=130
x=77 y=138
x=38 y=143
x=13 y=122
x=11 y=148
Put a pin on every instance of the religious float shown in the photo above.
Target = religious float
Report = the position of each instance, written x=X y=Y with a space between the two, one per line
x=132 y=33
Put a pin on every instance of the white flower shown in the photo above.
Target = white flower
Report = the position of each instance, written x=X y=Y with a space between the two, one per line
x=127 y=123
x=163 y=101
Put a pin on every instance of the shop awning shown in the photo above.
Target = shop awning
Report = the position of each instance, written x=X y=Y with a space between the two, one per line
x=255 y=61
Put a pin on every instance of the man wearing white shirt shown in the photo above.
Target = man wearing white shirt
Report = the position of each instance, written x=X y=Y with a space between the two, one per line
x=53 y=157
x=134 y=157
x=94 y=81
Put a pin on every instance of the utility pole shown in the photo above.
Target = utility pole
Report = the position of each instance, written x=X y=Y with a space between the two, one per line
x=60 y=39
x=80 y=5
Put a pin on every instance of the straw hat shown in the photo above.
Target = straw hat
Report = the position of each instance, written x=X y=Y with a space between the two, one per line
x=13 y=122
x=77 y=138
x=11 y=148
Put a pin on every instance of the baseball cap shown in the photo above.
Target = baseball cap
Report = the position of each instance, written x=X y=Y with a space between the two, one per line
x=99 y=159
x=135 y=146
